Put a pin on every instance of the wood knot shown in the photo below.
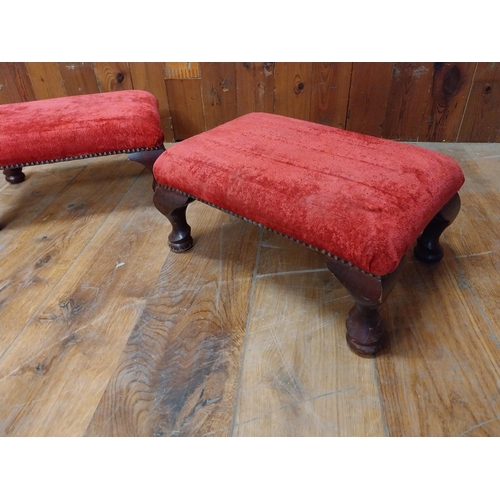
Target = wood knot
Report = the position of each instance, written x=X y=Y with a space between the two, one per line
x=40 y=369
x=120 y=77
x=44 y=260
x=452 y=82
x=76 y=206
x=298 y=85
x=488 y=89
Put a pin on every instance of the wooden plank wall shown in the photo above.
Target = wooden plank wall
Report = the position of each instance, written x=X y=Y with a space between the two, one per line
x=427 y=102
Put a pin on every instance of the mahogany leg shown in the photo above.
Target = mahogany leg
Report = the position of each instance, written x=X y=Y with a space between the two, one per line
x=14 y=175
x=147 y=158
x=428 y=249
x=365 y=329
x=173 y=206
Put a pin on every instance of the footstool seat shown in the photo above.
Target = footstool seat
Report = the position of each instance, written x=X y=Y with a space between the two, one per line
x=360 y=200
x=67 y=128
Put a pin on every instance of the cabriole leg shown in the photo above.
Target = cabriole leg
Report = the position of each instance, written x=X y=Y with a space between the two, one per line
x=147 y=158
x=173 y=206
x=428 y=249
x=365 y=328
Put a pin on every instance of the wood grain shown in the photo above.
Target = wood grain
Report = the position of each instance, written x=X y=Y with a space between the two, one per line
x=76 y=337
x=21 y=203
x=218 y=87
x=179 y=371
x=15 y=83
x=299 y=378
x=410 y=89
x=46 y=80
x=446 y=397
x=293 y=89
x=479 y=259
x=181 y=70
x=369 y=95
x=476 y=226
x=186 y=108
x=78 y=78
x=113 y=76
x=254 y=87
x=331 y=83
x=439 y=333
x=47 y=247
x=280 y=255
x=412 y=101
x=149 y=76
x=450 y=90
x=481 y=120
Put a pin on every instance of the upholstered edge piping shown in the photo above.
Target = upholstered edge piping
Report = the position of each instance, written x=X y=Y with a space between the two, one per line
x=312 y=247
x=81 y=157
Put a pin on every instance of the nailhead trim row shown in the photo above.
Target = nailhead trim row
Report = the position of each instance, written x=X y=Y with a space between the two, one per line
x=81 y=157
x=312 y=247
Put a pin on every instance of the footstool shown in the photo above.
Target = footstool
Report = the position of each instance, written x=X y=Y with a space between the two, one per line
x=75 y=127
x=361 y=201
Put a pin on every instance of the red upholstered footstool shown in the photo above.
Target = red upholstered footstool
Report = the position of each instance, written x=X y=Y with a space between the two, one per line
x=360 y=200
x=68 y=128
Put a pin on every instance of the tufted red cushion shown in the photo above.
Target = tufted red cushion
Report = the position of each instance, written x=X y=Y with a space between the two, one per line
x=360 y=198
x=69 y=127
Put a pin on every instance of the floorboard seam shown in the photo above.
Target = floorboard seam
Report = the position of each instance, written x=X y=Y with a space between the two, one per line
x=247 y=328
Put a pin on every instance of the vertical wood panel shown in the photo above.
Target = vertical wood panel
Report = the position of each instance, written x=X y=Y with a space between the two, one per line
x=218 y=86
x=254 y=87
x=149 y=76
x=186 y=108
x=445 y=108
x=293 y=89
x=113 y=76
x=46 y=80
x=423 y=102
x=330 y=93
x=481 y=121
x=78 y=78
x=15 y=83
x=370 y=88
x=410 y=90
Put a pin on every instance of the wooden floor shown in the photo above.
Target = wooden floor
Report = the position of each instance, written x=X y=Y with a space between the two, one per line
x=105 y=332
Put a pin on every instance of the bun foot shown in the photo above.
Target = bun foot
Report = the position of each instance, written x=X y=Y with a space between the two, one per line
x=365 y=330
x=181 y=245
x=14 y=175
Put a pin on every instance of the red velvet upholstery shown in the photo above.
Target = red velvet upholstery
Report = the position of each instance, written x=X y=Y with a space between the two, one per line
x=357 y=197
x=70 y=127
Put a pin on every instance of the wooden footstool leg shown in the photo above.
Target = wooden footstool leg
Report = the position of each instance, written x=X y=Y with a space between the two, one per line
x=428 y=249
x=146 y=158
x=14 y=175
x=173 y=206
x=364 y=324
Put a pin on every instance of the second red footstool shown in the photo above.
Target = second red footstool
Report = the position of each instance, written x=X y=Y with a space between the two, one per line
x=360 y=200
x=83 y=126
